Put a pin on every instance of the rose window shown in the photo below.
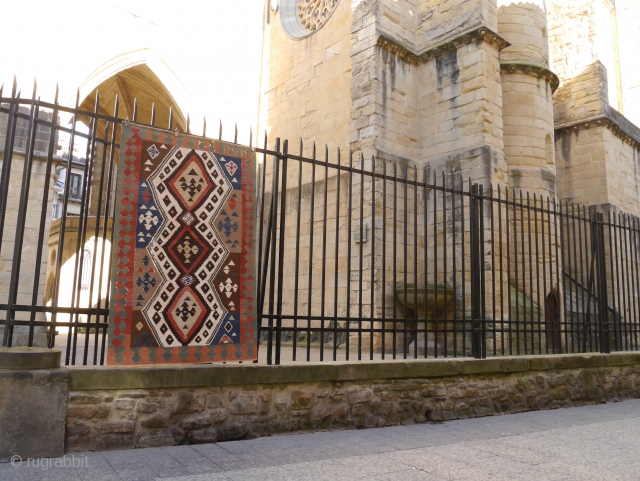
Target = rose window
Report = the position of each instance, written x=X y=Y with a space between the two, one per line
x=301 y=18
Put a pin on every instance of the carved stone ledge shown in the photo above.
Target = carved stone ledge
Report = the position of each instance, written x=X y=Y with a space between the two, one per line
x=410 y=55
x=602 y=121
x=532 y=69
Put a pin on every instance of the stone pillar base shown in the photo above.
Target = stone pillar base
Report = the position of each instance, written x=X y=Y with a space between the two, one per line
x=33 y=403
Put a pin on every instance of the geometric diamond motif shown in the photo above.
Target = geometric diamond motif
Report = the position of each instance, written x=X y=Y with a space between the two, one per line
x=183 y=248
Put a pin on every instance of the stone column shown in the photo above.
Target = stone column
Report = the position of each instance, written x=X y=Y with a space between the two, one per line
x=528 y=86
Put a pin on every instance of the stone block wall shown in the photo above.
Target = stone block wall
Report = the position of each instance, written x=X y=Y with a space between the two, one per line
x=112 y=408
x=35 y=200
x=307 y=82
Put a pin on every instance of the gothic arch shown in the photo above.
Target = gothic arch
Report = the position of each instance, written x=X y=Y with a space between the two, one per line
x=137 y=75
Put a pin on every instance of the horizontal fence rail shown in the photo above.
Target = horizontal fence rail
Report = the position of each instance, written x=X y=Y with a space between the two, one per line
x=358 y=258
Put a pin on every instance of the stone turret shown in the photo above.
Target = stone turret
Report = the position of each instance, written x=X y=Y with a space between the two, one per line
x=527 y=89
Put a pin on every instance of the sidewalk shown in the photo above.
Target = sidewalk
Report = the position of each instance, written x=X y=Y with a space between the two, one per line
x=588 y=443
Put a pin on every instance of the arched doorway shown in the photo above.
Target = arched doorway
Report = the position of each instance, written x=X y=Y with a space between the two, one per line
x=552 y=323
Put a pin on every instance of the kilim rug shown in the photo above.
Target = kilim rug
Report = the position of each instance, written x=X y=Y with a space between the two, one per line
x=183 y=283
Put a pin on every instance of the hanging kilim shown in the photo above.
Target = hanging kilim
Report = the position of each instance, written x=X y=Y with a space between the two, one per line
x=183 y=285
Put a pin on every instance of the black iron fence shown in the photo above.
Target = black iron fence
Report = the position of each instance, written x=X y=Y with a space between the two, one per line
x=369 y=259
x=358 y=258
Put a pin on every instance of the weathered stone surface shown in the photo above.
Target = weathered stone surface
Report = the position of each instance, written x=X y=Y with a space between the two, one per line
x=179 y=415
x=155 y=421
x=125 y=404
x=33 y=411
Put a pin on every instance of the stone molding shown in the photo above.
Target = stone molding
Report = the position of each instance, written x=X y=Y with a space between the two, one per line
x=410 y=55
x=532 y=69
x=95 y=378
x=624 y=132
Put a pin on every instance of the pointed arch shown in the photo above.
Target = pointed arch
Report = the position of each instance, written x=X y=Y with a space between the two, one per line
x=137 y=74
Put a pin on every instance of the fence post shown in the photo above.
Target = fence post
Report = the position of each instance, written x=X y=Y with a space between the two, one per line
x=476 y=288
x=601 y=269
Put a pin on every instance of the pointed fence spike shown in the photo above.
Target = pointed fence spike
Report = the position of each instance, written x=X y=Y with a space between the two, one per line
x=235 y=135
x=220 y=134
x=1 y=89
x=188 y=124
x=250 y=136
x=204 y=126
x=170 y=117
x=35 y=88
x=116 y=106
x=57 y=93
x=153 y=114
x=135 y=110
x=15 y=86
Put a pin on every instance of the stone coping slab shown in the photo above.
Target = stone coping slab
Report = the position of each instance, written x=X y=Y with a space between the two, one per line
x=90 y=378
x=28 y=358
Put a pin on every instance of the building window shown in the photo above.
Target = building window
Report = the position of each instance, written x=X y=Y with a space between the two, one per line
x=75 y=186
x=86 y=271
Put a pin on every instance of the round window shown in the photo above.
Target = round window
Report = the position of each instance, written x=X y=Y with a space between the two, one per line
x=301 y=18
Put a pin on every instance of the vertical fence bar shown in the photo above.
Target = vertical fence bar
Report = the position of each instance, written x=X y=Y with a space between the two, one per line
x=335 y=266
x=384 y=257
x=262 y=169
x=637 y=281
x=395 y=255
x=631 y=295
x=483 y=281
x=311 y=240
x=415 y=262
x=297 y=260
x=445 y=333
x=493 y=268
x=405 y=334
x=272 y=251
x=540 y=304
x=282 y=229
x=508 y=242
x=360 y=253
x=475 y=271
x=425 y=197
x=636 y=288
x=324 y=252
x=435 y=265
x=560 y=266
x=349 y=227
x=373 y=254
x=500 y=229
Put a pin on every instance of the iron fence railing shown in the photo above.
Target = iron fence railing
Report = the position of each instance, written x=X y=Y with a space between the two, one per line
x=358 y=258
x=370 y=259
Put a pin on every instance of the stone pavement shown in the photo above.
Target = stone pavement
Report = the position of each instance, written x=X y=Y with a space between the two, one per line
x=587 y=443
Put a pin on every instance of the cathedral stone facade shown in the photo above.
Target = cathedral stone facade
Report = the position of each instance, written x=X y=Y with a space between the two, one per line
x=529 y=95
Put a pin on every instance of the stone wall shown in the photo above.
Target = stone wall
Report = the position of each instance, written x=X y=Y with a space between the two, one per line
x=306 y=82
x=123 y=408
x=27 y=275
